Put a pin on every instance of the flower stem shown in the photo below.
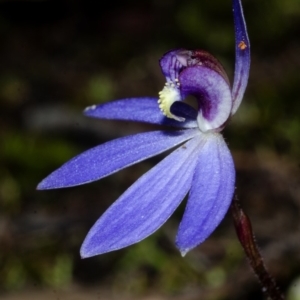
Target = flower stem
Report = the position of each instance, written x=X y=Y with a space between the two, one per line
x=246 y=237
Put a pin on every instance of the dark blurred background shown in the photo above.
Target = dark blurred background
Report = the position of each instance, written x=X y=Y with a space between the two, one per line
x=56 y=58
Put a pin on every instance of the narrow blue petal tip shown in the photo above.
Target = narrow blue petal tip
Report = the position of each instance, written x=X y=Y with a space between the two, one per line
x=45 y=185
x=40 y=186
x=184 y=252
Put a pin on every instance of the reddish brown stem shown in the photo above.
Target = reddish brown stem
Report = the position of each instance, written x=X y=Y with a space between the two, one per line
x=246 y=237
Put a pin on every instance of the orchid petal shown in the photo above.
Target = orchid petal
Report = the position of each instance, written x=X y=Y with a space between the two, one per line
x=146 y=205
x=210 y=196
x=242 y=56
x=113 y=156
x=135 y=109
x=212 y=92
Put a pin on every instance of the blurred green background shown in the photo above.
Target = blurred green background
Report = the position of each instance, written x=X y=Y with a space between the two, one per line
x=56 y=58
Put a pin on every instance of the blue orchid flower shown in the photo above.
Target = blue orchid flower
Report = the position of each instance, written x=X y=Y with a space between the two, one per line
x=201 y=165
